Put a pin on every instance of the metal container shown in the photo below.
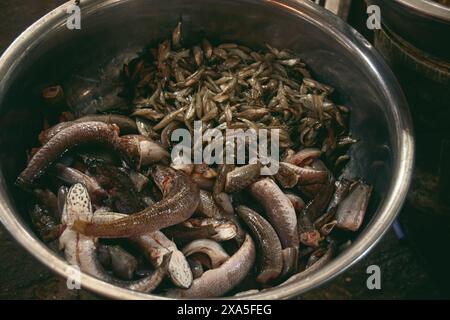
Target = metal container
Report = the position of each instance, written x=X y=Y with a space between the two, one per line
x=423 y=23
x=48 y=52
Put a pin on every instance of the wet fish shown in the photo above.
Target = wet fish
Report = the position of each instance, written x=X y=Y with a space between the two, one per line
x=221 y=198
x=69 y=138
x=71 y=176
x=303 y=157
x=121 y=190
x=48 y=201
x=278 y=209
x=290 y=261
x=208 y=207
x=268 y=245
x=224 y=278
x=312 y=268
x=342 y=187
x=196 y=267
x=46 y=226
x=242 y=177
x=123 y=264
x=214 y=251
x=155 y=246
x=143 y=151
x=305 y=176
x=125 y=124
x=80 y=250
x=181 y=198
x=209 y=228
x=350 y=212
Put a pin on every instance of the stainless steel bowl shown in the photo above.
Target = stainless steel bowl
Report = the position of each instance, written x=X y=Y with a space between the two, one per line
x=48 y=52
x=423 y=23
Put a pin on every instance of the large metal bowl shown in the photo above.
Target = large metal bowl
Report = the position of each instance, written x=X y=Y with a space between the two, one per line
x=48 y=52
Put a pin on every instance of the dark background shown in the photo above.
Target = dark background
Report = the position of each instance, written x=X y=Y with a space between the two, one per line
x=410 y=268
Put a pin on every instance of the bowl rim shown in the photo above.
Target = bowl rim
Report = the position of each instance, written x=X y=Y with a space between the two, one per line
x=385 y=215
x=428 y=8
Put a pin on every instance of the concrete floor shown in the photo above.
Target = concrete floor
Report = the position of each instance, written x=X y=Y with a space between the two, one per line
x=406 y=272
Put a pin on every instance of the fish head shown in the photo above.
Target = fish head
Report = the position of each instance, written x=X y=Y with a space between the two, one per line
x=77 y=205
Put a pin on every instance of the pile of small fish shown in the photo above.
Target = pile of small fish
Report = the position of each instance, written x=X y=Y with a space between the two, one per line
x=105 y=190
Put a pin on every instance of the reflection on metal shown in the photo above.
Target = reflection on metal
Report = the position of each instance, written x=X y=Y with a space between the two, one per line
x=338 y=7
x=424 y=78
x=424 y=24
